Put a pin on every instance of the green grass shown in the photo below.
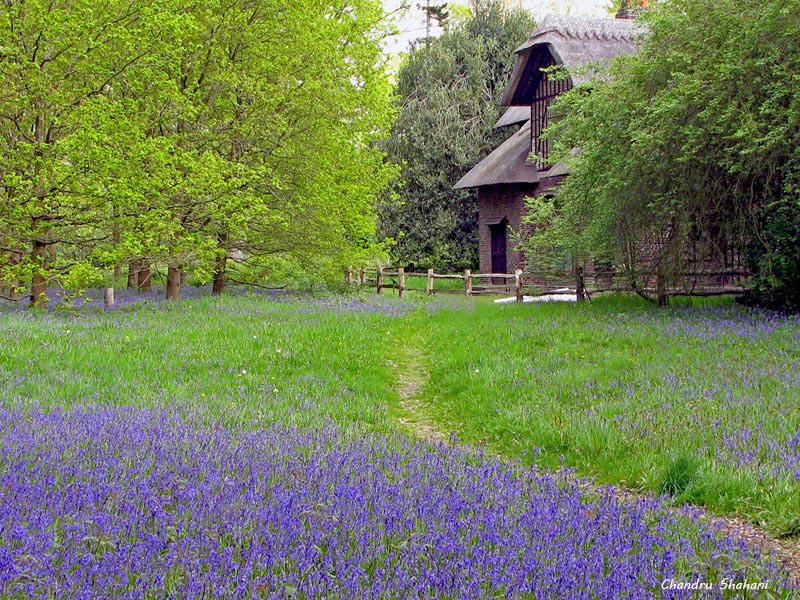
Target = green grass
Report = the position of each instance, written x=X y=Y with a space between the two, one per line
x=620 y=390
x=626 y=393
x=244 y=358
x=440 y=285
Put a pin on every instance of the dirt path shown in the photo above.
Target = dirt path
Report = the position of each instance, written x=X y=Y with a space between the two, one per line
x=412 y=369
x=412 y=376
x=787 y=551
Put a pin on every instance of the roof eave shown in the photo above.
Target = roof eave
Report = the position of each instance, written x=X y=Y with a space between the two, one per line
x=506 y=164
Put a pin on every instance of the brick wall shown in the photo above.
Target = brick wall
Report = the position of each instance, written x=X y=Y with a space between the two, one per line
x=499 y=202
x=496 y=203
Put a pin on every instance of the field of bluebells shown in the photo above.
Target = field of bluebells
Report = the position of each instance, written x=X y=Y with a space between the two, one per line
x=249 y=446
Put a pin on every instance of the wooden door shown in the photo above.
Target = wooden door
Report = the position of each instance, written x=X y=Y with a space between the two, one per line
x=498 y=233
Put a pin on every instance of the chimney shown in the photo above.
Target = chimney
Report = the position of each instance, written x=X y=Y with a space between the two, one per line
x=630 y=9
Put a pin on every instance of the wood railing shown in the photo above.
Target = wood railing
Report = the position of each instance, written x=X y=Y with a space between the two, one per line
x=553 y=282
x=475 y=284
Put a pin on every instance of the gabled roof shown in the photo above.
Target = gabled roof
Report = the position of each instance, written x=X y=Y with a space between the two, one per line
x=576 y=43
x=506 y=164
x=514 y=115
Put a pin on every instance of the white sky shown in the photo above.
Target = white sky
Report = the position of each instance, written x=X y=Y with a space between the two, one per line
x=412 y=22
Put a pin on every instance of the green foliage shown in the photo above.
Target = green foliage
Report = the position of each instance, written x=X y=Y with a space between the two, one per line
x=776 y=259
x=695 y=138
x=184 y=133
x=448 y=95
x=81 y=276
x=436 y=12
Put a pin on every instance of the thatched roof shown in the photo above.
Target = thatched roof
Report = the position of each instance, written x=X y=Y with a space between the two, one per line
x=559 y=169
x=577 y=43
x=514 y=115
x=506 y=164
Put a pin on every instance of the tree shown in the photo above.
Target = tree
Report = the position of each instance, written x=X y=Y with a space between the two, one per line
x=434 y=12
x=693 y=140
x=448 y=98
x=182 y=134
x=59 y=63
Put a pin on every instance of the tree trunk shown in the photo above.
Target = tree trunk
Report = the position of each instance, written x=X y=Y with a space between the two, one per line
x=133 y=274
x=116 y=238
x=661 y=290
x=10 y=283
x=220 y=266
x=38 y=280
x=661 y=286
x=184 y=278
x=39 y=250
x=145 y=279
x=173 y=283
x=108 y=297
x=580 y=284
x=16 y=258
x=219 y=276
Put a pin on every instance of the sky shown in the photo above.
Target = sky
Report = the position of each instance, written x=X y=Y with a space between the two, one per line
x=412 y=22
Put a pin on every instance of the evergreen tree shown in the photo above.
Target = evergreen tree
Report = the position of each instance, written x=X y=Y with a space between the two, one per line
x=448 y=97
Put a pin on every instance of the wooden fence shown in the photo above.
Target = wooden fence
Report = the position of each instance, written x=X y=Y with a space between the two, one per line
x=576 y=283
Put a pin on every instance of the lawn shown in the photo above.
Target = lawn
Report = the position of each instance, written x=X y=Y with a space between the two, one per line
x=244 y=359
x=252 y=445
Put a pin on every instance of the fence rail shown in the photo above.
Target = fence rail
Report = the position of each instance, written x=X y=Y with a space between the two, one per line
x=556 y=283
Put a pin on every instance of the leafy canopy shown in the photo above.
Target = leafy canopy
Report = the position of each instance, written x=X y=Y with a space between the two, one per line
x=179 y=133
x=698 y=135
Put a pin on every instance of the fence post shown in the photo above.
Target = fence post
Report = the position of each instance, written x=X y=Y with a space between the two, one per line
x=430 y=282
x=348 y=276
x=580 y=289
x=518 y=284
x=362 y=277
x=380 y=279
x=468 y=282
x=401 y=281
x=108 y=297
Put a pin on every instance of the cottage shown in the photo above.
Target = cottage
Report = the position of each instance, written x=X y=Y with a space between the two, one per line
x=508 y=175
